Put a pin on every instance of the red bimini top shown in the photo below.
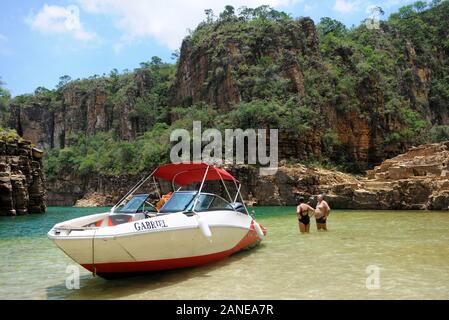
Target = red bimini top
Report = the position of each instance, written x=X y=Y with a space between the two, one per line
x=186 y=173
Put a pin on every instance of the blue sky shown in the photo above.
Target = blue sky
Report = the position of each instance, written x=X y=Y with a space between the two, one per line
x=43 y=40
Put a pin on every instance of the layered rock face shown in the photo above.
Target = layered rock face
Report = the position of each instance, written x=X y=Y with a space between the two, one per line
x=22 y=181
x=84 y=111
x=283 y=188
x=101 y=190
x=417 y=179
x=349 y=96
x=221 y=77
x=288 y=184
x=225 y=67
x=204 y=77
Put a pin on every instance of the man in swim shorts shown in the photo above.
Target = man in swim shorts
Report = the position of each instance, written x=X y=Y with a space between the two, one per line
x=321 y=213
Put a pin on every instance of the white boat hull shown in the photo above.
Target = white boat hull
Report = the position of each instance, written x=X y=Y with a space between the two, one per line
x=158 y=243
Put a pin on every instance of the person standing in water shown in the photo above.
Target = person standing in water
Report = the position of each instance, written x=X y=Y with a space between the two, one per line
x=321 y=213
x=302 y=210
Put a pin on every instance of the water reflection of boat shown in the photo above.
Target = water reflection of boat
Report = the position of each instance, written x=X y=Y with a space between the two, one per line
x=193 y=227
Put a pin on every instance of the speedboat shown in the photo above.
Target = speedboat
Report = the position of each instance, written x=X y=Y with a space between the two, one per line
x=193 y=226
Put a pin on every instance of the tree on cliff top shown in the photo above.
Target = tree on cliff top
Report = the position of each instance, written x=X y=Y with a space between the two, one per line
x=328 y=25
x=228 y=13
x=5 y=97
x=63 y=80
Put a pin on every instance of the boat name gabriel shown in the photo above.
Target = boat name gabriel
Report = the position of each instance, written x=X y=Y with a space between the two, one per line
x=148 y=225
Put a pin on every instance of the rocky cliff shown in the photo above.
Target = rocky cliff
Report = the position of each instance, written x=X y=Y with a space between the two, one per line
x=351 y=98
x=83 y=108
x=283 y=188
x=417 y=179
x=357 y=96
x=102 y=190
x=372 y=90
x=211 y=71
x=22 y=181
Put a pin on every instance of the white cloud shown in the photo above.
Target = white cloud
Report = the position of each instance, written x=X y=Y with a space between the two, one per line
x=349 y=6
x=344 y=6
x=391 y=3
x=56 y=19
x=307 y=8
x=3 y=38
x=167 y=20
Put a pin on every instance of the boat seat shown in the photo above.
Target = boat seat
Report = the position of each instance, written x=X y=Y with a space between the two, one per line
x=238 y=206
x=114 y=220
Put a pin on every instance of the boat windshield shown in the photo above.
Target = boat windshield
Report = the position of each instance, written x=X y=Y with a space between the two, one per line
x=209 y=202
x=178 y=202
x=184 y=201
x=134 y=204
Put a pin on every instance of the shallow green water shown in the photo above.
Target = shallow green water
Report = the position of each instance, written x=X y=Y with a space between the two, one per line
x=411 y=248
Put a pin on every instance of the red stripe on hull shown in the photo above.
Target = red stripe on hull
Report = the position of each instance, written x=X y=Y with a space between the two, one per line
x=248 y=240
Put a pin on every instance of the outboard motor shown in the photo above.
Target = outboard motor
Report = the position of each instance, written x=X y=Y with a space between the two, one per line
x=238 y=206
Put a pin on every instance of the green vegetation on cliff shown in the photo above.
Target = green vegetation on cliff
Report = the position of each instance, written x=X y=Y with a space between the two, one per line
x=103 y=154
x=8 y=134
x=5 y=96
x=352 y=96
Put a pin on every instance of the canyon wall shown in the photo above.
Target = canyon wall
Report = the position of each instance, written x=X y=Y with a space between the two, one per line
x=415 y=180
x=222 y=70
x=100 y=190
x=220 y=78
x=83 y=108
x=362 y=93
x=22 y=181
